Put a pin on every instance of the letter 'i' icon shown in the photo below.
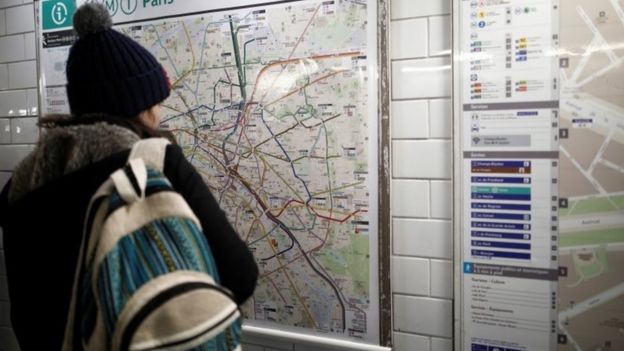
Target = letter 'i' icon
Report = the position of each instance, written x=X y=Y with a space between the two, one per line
x=59 y=13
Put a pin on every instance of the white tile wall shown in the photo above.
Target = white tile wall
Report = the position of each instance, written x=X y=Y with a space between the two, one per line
x=440 y=121
x=9 y=3
x=441 y=199
x=4 y=77
x=30 y=47
x=23 y=75
x=24 y=130
x=2 y=22
x=438 y=344
x=32 y=102
x=422 y=315
x=11 y=155
x=12 y=48
x=18 y=81
x=419 y=8
x=403 y=44
x=421 y=159
x=421 y=127
x=410 y=198
x=408 y=276
x=413 y=342
x=422 y=238
x=442 y=279
x=424 y=78
x=439 y=35
x=20 y=19
x=5 y=131
x=410 y=119
x=11 y=102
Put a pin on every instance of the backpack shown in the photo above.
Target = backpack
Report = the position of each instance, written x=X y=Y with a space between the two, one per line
x=146 y=277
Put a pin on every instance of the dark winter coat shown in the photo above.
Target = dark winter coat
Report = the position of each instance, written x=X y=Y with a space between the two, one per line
x=42 y=213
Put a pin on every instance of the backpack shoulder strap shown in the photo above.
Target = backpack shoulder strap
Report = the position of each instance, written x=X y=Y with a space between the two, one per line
x=152 y=151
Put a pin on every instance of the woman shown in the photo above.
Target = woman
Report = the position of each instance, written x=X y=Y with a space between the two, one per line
x=114 y=90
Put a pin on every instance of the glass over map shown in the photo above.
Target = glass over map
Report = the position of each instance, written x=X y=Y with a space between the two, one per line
x=591 y=242
x=270 y=105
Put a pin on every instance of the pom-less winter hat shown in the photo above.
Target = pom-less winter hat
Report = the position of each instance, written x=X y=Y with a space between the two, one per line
x=108 y=72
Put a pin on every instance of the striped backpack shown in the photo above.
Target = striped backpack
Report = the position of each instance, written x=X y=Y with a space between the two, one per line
x=146 y=278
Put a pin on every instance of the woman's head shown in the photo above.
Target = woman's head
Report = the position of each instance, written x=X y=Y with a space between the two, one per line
x=109 y=73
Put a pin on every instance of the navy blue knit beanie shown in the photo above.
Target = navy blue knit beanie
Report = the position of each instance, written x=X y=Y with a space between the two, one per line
x=108 y=72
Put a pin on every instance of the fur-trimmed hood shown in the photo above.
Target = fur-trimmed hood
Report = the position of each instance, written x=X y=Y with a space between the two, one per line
x=62 y=150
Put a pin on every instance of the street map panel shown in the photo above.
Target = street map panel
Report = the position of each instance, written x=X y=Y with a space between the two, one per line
x=591 y=243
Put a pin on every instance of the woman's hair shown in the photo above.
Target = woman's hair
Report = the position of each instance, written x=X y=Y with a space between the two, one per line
x=133 y=124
